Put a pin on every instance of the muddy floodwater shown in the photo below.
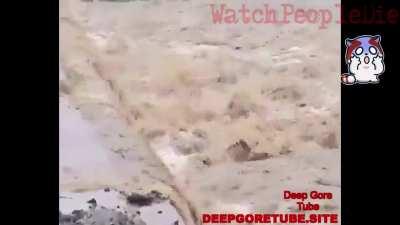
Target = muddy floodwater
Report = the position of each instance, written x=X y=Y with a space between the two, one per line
x=165 y=115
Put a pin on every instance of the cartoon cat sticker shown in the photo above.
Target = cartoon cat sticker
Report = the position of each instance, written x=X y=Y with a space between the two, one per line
x=364 y=59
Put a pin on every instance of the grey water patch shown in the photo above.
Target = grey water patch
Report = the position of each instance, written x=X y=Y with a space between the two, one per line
x=99 y=216
x=113 y=207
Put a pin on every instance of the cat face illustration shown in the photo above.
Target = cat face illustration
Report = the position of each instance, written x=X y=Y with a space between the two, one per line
x=364 y=58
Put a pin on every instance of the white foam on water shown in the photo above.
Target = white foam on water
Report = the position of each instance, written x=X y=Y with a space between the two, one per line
x=175 y=162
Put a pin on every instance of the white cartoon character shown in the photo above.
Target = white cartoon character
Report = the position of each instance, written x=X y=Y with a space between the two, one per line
x=364 y=59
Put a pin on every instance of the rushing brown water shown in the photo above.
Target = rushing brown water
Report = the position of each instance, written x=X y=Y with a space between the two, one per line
x=159 y=96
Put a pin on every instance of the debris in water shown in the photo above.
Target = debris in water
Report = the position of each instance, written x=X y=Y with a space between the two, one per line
x=139 y=200
x=239 y=151
x=92 y=202
x=145 y=200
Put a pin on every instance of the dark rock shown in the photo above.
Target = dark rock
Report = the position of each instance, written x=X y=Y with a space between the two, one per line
x=92 y=202
x=239 y=151
x=206 y=162
x=145 y=200
x=139 y=200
